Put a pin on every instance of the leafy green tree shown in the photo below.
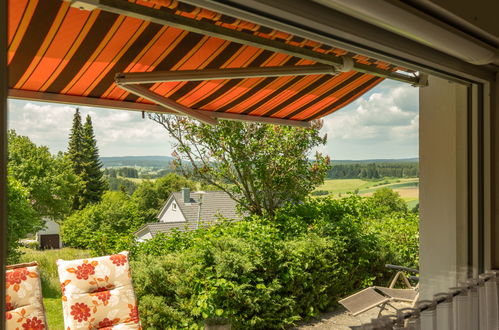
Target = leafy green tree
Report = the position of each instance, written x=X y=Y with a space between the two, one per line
x=104 y=225
x=49 y=180
x=388 y=201
x=150 y=196
x=115 y=183
x=95 y=185
x=22 y=218
x=260 y=166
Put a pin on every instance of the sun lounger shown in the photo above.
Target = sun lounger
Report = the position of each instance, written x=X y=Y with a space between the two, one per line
x=378 y=296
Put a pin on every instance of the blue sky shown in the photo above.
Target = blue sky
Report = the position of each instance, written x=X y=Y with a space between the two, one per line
x=383 y=123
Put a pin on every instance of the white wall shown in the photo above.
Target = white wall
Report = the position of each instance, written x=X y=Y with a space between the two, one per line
x=443 y=190
x=143 y=236
x=172 y=213
x=51 y=227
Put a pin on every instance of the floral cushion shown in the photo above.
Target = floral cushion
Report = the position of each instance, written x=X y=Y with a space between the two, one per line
x=24 y=305
x=98 y=293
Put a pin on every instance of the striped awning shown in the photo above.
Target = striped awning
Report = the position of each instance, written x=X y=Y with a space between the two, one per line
x=58 y=52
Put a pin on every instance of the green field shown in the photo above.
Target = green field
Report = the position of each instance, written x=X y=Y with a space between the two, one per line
x=50 y=279
x=136 y=180
x=407 y=188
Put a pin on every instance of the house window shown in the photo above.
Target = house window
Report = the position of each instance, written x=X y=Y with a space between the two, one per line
x=174 y=206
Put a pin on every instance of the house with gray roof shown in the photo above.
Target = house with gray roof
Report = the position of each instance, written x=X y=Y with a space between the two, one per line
x=185 y=210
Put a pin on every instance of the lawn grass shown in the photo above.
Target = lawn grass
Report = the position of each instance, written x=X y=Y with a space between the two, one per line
x=47 y=262
x=53 y=309
x=51 y=289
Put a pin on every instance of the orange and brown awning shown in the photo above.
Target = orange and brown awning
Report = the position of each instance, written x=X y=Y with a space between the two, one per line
x=61 y=53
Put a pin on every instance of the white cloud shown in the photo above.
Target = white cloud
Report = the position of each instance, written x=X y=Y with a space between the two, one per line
x=381 y=124
x=118 y=133
x=384 y=123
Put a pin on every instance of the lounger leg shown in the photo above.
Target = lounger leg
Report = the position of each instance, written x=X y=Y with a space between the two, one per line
x=382 y=308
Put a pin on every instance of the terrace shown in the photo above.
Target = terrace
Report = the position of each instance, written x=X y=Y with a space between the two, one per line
x=288 y=63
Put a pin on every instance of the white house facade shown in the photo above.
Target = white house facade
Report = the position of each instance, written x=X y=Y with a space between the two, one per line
x=171 y=211
x=186 y=210
x=49 y=237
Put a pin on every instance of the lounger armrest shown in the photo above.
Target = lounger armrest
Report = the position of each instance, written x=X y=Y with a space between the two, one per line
x=402 y=268
x=413 y=278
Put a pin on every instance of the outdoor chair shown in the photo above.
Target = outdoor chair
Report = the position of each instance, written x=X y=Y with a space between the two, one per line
x=378 y=296
x=98 y=293
x=24 y=302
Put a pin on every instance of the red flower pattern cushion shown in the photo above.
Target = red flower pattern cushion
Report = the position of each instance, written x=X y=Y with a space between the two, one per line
x=24 y=302
x=98 y=293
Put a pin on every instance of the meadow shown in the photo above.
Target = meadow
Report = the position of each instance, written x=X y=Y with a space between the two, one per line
x=408 y=188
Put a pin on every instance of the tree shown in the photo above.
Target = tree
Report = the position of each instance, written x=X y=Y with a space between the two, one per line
x=49 y=181
x=95 y=185
x=260 y=166
x=76 y=155
x=150 y=196
x=84 y=156
x=388 y=201
x=103 y=226
x=22 y=218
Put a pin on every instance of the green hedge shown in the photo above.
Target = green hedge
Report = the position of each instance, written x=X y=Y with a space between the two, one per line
x=266 y=274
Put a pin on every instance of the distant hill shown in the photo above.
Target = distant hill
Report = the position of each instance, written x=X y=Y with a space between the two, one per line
x=364 y=161
x=163 y=161
x=141 y=161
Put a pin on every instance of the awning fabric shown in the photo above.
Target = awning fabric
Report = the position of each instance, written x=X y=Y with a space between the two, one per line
x=54 y=48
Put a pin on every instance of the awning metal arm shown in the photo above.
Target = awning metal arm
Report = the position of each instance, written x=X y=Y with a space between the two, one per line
x=131 y=81
x=147 y=94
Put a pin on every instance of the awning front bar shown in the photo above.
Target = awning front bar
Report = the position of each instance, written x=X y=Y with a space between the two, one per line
x=210 y=74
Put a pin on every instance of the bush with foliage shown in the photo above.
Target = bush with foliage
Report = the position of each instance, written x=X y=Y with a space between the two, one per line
x=120 y=184
x=104 y=227
x=319 y=193
x=386 y=201
x=22 y=218
x=49 y=180
x=398 y=234
x=151 y=195
x=108 y=226
x=264 y=273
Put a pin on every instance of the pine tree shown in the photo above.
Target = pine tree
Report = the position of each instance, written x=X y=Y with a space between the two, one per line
x=93 y=173
x=76 y=154
x=84 y=156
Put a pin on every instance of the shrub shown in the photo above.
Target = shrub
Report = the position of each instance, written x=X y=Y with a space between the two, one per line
x=398 y=235
x=319 y=193
x=30 y=244
x=105 y=227
x=257 y=286
x=264 y=273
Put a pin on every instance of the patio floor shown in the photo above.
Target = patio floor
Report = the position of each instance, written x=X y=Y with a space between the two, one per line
x=340 y=319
